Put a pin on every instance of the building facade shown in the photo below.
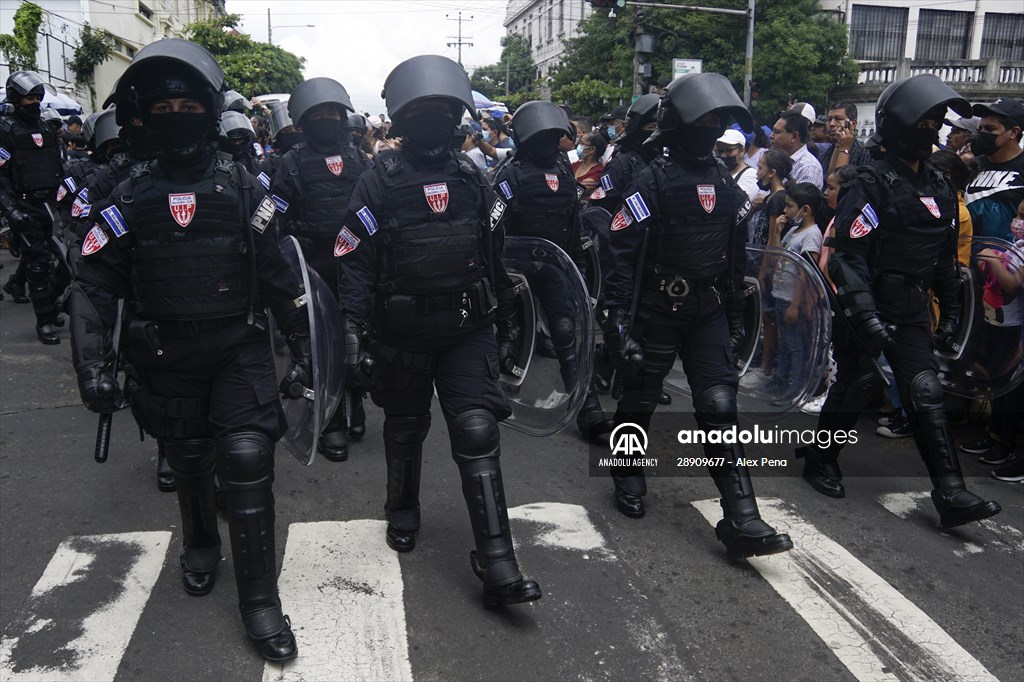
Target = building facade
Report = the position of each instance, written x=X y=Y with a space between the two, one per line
x=545 y=24
x=130 y=24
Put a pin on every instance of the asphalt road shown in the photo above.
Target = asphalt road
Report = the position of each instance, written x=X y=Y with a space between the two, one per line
x=90 y=582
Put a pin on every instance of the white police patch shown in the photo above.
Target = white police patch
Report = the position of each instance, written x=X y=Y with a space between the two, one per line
x=369 y=222
x=505 y=189
x=264 y=214
x=281 y=204
x=115 y=220
x=264 y=180
x=637 y=207
x=497 y=211
x=606 y=182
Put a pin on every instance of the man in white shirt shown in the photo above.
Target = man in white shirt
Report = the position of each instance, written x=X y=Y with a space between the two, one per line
x=790 y=135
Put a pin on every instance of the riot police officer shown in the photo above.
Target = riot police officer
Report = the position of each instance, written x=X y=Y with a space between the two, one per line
x=686 y=217
x=632 y=155
x=30 y=172
x=895 y=239
x=312 y=185
x=540 y=190
x=237 y=138
x=420 y=258
x=202 y=372
x=284 y=136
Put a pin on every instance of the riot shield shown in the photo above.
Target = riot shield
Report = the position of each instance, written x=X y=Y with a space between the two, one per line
x=990 y=359
x=527 y=318
x=784 y=355
x=550 y=391
x=596 y=225
x=307 y=416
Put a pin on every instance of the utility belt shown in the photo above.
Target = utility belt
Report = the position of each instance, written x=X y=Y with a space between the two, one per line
x=152 y=333
x=37 y=195
x=476 y=301
x=886 y=282
x=676 y=287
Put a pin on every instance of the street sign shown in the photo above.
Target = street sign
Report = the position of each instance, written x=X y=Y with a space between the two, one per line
x=681 y=67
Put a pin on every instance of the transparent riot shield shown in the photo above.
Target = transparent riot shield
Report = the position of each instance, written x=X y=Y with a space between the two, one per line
x=551 y=390
x=989 y=360
x=788 y=323
x=596 y=227
x=307 y=416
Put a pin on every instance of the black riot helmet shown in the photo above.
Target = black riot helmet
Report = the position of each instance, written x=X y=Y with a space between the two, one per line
x=694 y=95
x=24 y=83
x=316 y=91
x=535 y=118
x=233 y=101
x=89 y=129
x=640 y=113
x=52 y=119
x=236 y=126
x=906 y=102
x=106 y=128
x=356 y=122
x=428 y=76
x=279 y=118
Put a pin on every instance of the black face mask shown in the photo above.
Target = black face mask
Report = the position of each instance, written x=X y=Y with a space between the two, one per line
x=730 y=161
x=764 y=185
x=914 y=144
x=179 y=136
x=140 y=142
x=235 y=147
x=696 y=141
x=429 y=131
x=323 y=132
x=29 y=112
x=984 y=144
x=285 y=141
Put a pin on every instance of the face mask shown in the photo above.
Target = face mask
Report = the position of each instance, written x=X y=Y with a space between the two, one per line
x=984 y=144
x=730 y=161
x=179 y=136
x=29 y=112
x=696 y=141
x=1017 y=228
x=140 y=142
x=235 y=148
x=612 y=133
x=323 y=132
x=429 y=131
x=915 y=143
x=286 y=141
x=765 y=184
x=487 y=136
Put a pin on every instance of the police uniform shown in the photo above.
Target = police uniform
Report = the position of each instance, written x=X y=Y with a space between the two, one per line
x=187 y=242
x=895 y=241
x=692 y=214
x=30 y=172
x=420 y=258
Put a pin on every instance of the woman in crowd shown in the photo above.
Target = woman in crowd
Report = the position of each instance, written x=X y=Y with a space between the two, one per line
x=589 y=169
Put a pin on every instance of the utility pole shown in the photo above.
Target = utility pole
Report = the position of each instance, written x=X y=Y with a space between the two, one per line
x=459 y=41
x=638 y=28
x=508 y=61
x=270 y=31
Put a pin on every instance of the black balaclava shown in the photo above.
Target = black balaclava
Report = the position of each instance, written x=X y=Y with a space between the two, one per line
x=541 y=149
x=428 y=136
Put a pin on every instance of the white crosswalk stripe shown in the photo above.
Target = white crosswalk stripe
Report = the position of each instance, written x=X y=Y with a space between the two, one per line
x=83 y=610
x=876 y=632
x=1000 y=536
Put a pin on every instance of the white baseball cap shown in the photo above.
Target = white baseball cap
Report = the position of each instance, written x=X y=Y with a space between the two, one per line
x=733 y=137
x=805 y=110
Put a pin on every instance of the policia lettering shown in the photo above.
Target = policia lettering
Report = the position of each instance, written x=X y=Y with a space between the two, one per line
x=312 y=184
x=421 y=269
x=202 y=377
x=896 y=237
x=677 y=245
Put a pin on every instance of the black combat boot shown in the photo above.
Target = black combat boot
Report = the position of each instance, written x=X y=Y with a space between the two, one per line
x=333 y=444
x=191 y=462
x=636 y=407
x=474 y=436
x=16 y=290
x=357 y=423
x=592 y=422
x=164 y=475
x=403 y=453
x=38 y=277
x=741 y=529
x=245 y=462
x=821 y=470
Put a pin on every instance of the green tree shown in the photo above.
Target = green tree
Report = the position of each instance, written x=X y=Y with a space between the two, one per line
x=252 y=68
x=798 y=50
x=93 y=49
x=515 y=65
x=20 y=45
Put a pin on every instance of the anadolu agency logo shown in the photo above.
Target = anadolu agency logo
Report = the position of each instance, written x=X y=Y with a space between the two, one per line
x=628 y=443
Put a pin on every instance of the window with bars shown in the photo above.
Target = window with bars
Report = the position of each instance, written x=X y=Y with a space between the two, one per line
x=1003 y=36
x=878 y=33
x=943 y=34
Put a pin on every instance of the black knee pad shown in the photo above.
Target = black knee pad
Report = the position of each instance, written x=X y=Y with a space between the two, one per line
x=406 y=430
x=717 y=404
x=245 y=461
x=926 y=392
x=474 y=434
x=193 y=458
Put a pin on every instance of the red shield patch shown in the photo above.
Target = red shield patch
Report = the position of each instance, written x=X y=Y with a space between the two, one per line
x=437 y=196
x=94 y=241
x=622 y=220
x=61 y=192
x=552 y=181
x=183 y=207
x=706 y=194
x=346 y=243
x=598 y=193
x=933 y=208
x=38 y=139
x=858 y=229
x=335 y=164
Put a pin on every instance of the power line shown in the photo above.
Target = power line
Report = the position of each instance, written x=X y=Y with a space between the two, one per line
x=459 y=41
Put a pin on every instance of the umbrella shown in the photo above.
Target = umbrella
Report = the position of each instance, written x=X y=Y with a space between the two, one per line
x=481 y=101
x=64 y=105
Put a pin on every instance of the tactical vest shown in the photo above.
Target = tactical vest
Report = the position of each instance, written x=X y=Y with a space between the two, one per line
x=35 y=155
x=324 y=195
x=198 y=271
x=543 y=202
x=431 y=224
x=909 y=242
x=698 y=209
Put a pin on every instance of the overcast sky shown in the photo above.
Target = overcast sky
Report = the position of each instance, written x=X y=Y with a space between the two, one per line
x=358 y=42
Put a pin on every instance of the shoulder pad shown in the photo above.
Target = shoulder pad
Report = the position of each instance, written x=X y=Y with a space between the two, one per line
x=390 y=162
x=141 y=170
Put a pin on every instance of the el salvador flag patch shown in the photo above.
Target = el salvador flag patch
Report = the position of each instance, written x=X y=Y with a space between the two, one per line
x=638 y=207
x=264 y=180
x=116 y=221
x=281 y=204
x=369 y=222
x=606 y=182
x=505 y=189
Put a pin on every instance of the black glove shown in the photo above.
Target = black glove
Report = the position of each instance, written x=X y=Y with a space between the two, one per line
x=875 y=336
x=99 y=389
x=300 y=374
x=362 y=370
x=736 y=330
x=508 y=335
x=945 y=335
x=19 y=220
x=623 y=351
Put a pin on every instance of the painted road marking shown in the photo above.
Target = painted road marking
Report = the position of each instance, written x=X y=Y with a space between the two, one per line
x=62 y=634
x=876 y=632
x=342 y=586
x=999 y=535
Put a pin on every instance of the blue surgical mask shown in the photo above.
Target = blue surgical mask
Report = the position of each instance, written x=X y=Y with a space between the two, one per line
x=612 y=133
x=579 y=150
x=486 y=136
